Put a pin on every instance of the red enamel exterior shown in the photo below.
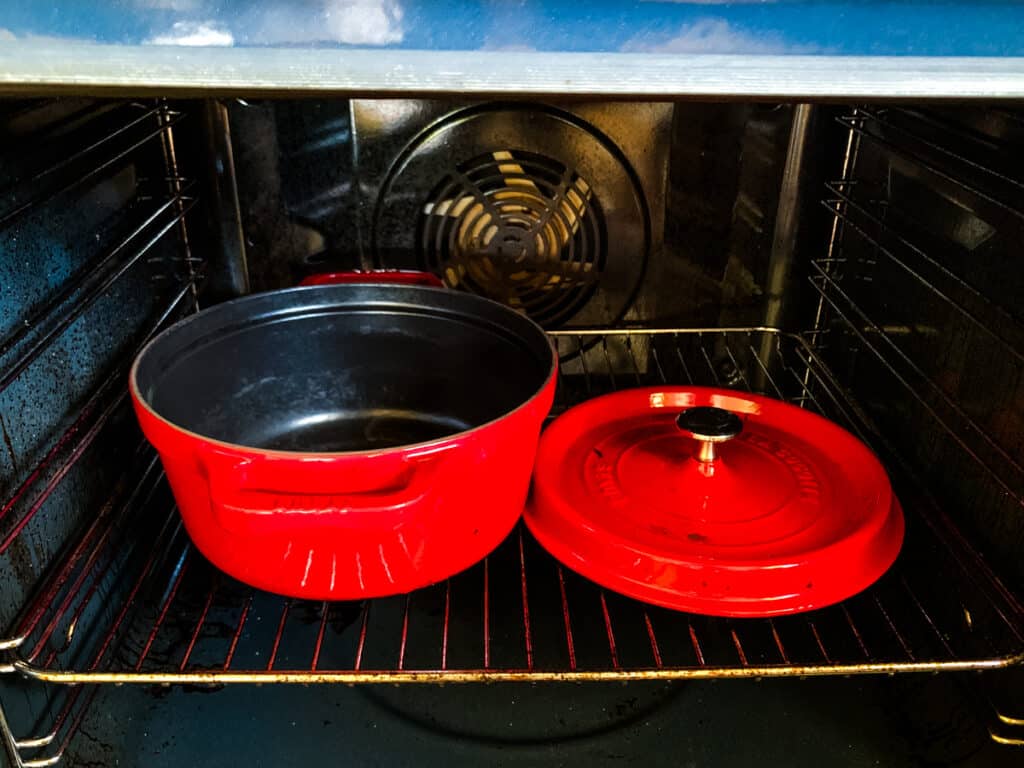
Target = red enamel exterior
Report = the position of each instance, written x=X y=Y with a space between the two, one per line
x=351 y=525
x=794 y=514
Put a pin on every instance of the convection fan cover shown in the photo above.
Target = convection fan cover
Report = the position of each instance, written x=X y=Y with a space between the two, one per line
x=524 y=205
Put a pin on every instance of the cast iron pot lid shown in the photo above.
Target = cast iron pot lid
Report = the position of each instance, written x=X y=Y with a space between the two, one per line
x=713 y=502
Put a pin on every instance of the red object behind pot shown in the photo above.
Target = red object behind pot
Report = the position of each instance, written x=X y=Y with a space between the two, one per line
x=390 y=276
x=352 y=524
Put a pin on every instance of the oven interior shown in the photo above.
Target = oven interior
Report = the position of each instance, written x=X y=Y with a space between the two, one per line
x=859 y=260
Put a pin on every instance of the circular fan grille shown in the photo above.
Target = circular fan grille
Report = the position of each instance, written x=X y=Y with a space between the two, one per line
x=517 y=227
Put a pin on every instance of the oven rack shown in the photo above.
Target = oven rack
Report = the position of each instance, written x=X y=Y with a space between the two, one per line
x=129 y=147
x=914 y=313
x=1007 y=731
x=948 y=155
x=133 y=602
x=1001 y=695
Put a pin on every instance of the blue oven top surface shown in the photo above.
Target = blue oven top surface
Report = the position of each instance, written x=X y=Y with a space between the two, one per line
x=816 y=27
x=745 y=49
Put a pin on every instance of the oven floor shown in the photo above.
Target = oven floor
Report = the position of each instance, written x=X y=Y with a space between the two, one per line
x=853 y=722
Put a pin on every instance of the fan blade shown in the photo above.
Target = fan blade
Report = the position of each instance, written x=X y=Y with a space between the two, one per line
x=571 y=203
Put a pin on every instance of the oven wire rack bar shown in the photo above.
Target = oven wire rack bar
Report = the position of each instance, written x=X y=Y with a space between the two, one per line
x=945 y=411
x=97 y=411
x=1007 y=721
x=870 y=226
x=113 y=147
x=159 y=613
x=31 y=753
x=114 y=136
x=97 y=288
x=893 y=132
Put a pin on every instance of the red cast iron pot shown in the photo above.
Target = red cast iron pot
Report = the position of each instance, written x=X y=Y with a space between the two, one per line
x=351 y=440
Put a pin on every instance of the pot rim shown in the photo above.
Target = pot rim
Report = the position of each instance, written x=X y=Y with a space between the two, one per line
x=424 y=447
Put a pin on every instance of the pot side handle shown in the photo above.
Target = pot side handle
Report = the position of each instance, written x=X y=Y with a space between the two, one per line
x=267 y=495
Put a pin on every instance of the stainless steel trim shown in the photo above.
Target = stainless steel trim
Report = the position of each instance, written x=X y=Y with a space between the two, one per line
x=47 y=67
x=227 y=270
x=787 y=224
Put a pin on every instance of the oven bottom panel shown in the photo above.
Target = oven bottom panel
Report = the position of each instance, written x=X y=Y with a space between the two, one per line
x=894 y=722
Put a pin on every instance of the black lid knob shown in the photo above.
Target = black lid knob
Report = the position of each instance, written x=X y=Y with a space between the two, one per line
x=709 y=423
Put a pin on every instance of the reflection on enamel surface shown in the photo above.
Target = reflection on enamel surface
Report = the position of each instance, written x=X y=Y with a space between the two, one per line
x=309 y=564
x=729 y=402
x=735 y=404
